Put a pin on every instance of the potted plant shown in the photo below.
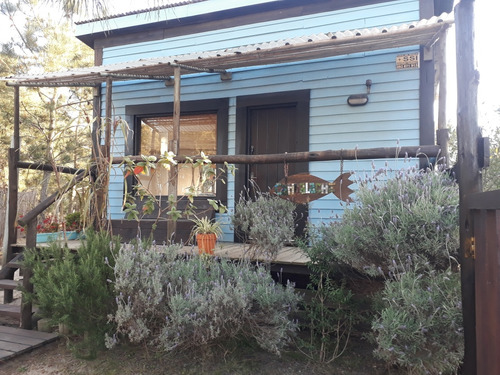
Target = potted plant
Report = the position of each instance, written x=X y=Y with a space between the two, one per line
x=74 y=225
x=50 y=229
x=47 y=230
x=206 y=231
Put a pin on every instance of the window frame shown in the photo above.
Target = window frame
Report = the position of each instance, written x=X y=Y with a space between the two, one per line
x=135 y=113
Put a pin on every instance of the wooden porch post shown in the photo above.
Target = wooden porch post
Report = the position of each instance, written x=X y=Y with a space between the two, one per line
x=109 y=113
x=443 y=133
x=174 y=147
x=96 y=125
x=469 y=137
x=10 y=237
x=102 y=158
x=14 y=175
x=26 y=306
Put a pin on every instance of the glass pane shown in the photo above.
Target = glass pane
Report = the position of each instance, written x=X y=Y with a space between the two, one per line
x=198 y=133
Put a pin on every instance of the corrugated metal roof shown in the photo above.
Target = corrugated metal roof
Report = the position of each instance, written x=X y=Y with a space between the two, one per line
x=172 y=4
x=424 y=32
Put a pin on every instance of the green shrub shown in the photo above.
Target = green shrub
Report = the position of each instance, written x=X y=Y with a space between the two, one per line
x=420 y=325
x=413 y=214
x=402 y=226
x=267 y=222
x=171 y=303
x=332 y=310
x=73 y=287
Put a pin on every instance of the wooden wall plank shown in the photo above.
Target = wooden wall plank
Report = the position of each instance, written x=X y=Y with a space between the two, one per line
x=392 y=115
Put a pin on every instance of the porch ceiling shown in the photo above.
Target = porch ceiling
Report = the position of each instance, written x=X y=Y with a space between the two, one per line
x=424 y=32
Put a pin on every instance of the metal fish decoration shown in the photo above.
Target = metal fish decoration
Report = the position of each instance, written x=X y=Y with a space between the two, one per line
x=303 y=188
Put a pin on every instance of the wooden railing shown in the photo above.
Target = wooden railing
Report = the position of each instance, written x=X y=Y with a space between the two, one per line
x=30 y=222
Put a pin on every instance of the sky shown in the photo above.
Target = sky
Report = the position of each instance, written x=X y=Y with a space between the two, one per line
x=487 y=61
x=486 y=55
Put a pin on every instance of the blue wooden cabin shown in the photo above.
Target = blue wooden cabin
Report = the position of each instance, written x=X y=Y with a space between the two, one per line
x=268 y=77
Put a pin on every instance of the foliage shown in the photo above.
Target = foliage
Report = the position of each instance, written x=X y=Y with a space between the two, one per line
x=89 y=8
x=74 y=221
x=168 y=160
x=491 y=176
x=403 y=226
x=48 y=225
x=267 y=221
x=205 y=225
x=420 y=325
x=332 y=311
x=413 y=213
x=73 y=287
x=56 y=121
x=170 y=303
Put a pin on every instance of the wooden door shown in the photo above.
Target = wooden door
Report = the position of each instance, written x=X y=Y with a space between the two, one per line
x=274 y=130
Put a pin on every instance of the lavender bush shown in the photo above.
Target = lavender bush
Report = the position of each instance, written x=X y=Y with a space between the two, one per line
x=420 y=325
x=267 y=223
x=413 y=213
x=171 y=303
x=403 y=226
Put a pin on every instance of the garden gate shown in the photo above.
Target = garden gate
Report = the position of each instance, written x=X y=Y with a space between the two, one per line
x=484 y=249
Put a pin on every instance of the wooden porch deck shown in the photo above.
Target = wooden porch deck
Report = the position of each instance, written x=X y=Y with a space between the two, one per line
x=287 y=256
x=16 y=341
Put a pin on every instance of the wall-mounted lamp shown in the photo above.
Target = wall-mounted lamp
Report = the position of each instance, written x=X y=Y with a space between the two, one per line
x=360 y=99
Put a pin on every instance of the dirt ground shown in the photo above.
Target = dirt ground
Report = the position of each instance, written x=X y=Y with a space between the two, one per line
x=241 y=359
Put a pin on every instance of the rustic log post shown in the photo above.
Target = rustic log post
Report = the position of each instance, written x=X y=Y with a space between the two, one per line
x=11 y=217
x=109 y=114
x=101 y=178
x=26 y=307
x=96 y=124
x=174 y=147
x=469 y=137
x=443 y=131
x=13 y=178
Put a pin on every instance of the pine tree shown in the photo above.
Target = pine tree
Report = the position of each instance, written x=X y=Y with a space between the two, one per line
x=55 y=122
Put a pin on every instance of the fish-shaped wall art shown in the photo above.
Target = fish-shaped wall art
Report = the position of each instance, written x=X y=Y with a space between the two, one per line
x=303 y=188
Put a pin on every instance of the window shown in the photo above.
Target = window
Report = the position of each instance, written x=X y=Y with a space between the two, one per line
x=198 y=133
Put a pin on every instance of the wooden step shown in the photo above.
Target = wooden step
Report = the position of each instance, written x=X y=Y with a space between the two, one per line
x=15 y=262
x=17 y=248
x=10 y=310
x=9 y=284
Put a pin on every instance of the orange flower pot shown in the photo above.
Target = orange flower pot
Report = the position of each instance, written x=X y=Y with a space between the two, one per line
x=206 y=243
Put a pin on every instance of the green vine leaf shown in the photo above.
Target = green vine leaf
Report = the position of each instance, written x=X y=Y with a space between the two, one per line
x=174 y=214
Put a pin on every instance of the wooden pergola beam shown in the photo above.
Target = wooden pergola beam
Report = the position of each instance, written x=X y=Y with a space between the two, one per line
x=323 y=45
